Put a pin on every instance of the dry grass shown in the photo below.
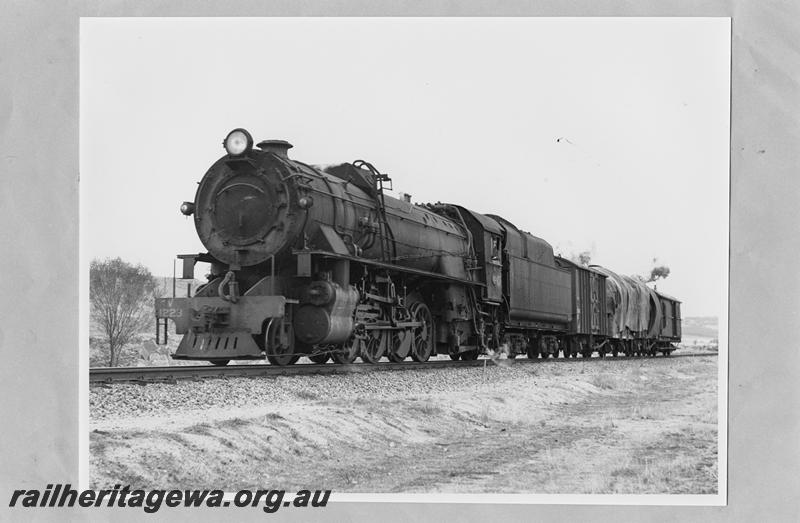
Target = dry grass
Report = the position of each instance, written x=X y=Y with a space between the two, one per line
x=651 y=474
x=708 y=416
x=604 y=381
x=485 y=415
x=679 y=462
x=549 y=462
x=645 y=412
x=428 y=409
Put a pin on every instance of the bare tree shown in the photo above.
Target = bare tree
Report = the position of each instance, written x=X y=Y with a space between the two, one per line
x=120 y=296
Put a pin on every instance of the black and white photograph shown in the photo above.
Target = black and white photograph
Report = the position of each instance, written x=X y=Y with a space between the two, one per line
x=416 y=261
x=407 y=259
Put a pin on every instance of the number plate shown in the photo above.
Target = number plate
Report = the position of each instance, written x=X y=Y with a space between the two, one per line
x=169 y=313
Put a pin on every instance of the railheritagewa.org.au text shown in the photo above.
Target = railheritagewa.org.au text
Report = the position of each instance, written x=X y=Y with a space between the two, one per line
x=60 y=495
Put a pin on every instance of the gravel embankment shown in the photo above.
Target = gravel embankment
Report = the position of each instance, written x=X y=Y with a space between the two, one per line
x=162 y=398
x=130 y=400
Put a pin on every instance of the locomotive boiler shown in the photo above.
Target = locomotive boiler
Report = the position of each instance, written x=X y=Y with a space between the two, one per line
x=321 y=262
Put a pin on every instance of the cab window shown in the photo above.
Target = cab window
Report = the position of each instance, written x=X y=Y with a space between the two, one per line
x=495 y=248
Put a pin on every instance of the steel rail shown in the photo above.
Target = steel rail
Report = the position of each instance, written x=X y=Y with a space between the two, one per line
x=107 y=375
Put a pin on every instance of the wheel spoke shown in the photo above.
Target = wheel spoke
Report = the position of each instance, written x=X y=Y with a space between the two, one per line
x=278 y=352
x=348 y=352
x=373 y=346
x=423 y=334
x=394 y=347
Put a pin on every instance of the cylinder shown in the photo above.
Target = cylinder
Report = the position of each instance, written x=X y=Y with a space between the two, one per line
x=329 y=323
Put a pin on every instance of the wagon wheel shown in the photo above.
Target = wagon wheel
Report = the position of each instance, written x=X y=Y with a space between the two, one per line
x=586 y=350
x=422 y=346
x=469 y=355
x=544 y=353
x=531 y=351
x=455 y=357
x=348 y=351
x=373 y=346
x=279 y=343
x=629 y=351
x=219 y=363
x=568 y=348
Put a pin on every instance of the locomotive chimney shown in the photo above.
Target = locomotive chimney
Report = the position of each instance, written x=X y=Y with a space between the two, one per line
x=277 y=147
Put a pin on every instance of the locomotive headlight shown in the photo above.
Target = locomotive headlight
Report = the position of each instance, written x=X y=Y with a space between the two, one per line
x=238 y=142
x=187 y=208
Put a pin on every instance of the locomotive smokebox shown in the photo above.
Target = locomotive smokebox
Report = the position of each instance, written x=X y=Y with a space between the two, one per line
x=277 y=147
x=245 y=209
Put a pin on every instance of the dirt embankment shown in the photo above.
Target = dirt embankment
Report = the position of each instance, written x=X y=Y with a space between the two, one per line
x=641 y=426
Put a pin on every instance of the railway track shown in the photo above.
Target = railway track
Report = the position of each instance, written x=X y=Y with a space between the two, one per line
x=108 y=375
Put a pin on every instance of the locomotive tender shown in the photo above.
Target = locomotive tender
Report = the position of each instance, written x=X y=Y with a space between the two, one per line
x=321 y=263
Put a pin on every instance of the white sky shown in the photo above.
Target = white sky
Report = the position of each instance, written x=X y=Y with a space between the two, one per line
x=466 y=111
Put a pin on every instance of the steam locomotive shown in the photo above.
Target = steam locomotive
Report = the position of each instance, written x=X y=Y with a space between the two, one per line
x=322 y=263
